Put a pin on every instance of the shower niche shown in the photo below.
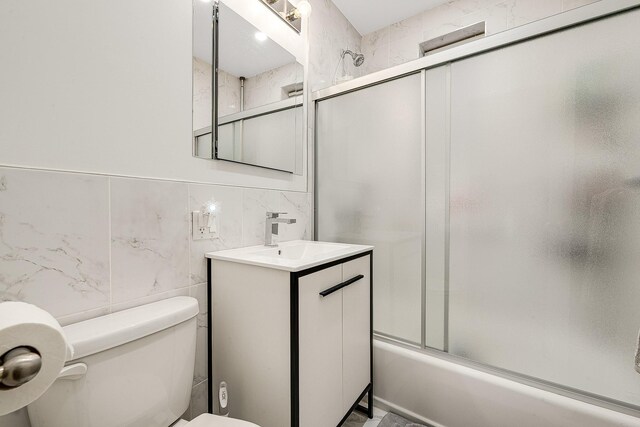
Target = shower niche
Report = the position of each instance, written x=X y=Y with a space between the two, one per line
x=247 y=93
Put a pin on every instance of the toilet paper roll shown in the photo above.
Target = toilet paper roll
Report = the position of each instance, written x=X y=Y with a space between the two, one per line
x=24 y=324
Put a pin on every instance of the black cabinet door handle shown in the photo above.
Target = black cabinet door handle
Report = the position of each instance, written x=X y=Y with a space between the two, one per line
x=340 y=285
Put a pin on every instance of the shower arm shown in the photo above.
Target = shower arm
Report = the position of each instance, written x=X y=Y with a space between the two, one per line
x=350 y=53
x=358 y=59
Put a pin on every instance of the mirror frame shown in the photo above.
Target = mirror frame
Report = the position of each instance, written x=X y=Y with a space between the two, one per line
x=214 y=78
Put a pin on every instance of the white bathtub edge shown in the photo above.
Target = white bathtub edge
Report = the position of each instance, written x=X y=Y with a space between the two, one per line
x=454 y=395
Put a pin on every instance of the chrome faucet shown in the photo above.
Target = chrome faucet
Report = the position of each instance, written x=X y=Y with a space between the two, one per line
x=271 y=226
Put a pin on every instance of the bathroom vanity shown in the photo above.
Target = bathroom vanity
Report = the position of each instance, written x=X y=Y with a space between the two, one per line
x=291 y=332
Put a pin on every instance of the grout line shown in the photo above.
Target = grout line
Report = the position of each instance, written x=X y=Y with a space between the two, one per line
x=146 y=178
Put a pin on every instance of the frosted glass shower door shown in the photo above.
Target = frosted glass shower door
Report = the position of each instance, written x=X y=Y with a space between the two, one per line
x=369 y=190
x=545 y=207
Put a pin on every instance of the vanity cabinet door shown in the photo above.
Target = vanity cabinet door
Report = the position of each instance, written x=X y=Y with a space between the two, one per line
x=320 y=349
x=356 y=332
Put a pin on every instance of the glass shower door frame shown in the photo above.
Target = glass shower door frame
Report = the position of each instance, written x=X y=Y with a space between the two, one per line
x=557 y=23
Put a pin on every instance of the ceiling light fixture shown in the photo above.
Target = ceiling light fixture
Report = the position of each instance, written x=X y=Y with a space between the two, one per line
x=304 y=7
x=289 y=13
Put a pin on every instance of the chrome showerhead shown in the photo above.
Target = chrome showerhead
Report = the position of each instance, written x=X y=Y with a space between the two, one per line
x=358 y=58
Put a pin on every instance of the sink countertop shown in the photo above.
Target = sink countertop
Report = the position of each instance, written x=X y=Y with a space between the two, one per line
x=294 y=256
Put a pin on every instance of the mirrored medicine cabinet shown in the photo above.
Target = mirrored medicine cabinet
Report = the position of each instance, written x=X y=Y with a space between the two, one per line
x=250 y=110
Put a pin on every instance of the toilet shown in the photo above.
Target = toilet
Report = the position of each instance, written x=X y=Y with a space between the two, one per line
x=132 y=368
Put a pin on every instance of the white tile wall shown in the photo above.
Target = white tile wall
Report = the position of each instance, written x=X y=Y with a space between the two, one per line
x=261 y=89
x=256 y=202
x=149 y=238
x=329 y=33
x=229 y=224
x=398 y=43
x=266 y=88
x=54 y=240
x=81 y=246
x=201 y=100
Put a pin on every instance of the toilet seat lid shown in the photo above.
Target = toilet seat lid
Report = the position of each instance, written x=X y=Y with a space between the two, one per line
x=209 y=420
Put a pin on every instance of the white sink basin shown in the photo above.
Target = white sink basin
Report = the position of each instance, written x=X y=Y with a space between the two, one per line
x=295 y=255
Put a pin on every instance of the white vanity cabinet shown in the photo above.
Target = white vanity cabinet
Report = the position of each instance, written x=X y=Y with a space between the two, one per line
x=334 y=341
x=294 y=347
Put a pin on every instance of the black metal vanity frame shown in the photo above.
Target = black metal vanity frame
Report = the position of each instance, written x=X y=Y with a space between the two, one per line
x=295 y=341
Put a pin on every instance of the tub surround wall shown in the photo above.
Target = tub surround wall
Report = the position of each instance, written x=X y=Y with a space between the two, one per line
x=329 y=33
x=82 y=245
x=398 y=43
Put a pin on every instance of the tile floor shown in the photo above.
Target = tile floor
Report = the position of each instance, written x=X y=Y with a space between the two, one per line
x=358 y=419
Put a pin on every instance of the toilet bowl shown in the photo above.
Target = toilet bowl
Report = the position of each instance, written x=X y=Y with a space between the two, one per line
x=208 y=420
x=132 y=368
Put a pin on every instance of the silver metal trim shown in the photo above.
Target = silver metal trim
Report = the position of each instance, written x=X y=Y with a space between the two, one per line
x=423 y=203
x=274 y=107
x=551 y=387
x=215 y=55
x=447 y=212
x=202 y=131
x=551 y=24
x=19 y=366
x=396 y=340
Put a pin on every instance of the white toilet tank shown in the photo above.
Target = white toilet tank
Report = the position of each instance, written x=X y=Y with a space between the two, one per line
x=139 y=369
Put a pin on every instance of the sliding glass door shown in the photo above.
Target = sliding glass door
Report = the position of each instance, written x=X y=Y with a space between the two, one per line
x=502 y=194
x=369 y=190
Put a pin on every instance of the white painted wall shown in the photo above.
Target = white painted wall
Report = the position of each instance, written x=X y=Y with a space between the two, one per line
x=105 y=87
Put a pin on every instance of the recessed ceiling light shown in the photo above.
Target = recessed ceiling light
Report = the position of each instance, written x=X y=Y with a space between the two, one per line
x=260 y=36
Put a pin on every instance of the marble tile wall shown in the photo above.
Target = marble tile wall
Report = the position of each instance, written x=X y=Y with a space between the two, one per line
x=228 y=93
x=266 y=88
x=201 y=101
x=329 y=33
x=262 y=89
x=398 y=43
x=81 y=245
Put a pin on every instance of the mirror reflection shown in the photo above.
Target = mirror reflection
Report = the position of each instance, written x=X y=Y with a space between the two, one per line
x=258 y=96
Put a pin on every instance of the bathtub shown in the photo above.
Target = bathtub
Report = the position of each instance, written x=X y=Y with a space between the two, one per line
x=442 y=393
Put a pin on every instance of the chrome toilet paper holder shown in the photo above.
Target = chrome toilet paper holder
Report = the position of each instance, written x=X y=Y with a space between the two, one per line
x=19 y=366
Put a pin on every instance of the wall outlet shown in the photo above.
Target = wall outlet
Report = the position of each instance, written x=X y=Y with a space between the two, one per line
x=203 y=226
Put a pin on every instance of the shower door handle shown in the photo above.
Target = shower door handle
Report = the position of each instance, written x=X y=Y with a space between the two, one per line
x=339 y=286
